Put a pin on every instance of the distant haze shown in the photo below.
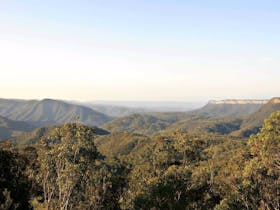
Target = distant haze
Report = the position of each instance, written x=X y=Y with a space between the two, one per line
x=140 y=50
x=160 y=106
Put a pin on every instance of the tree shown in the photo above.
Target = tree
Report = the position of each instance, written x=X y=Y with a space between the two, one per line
x=65 y=158
x=14 y=185
x=262 y=171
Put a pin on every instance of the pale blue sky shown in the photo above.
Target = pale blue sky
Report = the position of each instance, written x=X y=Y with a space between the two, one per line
x=140 y=49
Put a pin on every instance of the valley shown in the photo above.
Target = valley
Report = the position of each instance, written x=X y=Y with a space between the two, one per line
x=230 y=117
x=139 y=160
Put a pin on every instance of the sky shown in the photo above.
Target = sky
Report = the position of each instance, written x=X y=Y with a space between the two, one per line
x=139 y=50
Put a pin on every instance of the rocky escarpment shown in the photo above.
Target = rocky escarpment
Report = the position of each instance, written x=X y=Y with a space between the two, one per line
x=252 y=123
x=239 y=101
x=275 y=100
x=230 y=107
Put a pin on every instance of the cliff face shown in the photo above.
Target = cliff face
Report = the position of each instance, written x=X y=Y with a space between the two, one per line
x=232 y=107
x=275 y=101
x=252 y=123
x=237 y=101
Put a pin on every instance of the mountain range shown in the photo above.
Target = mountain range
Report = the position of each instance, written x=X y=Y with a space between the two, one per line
x=236 y=117
x=50 y=112
x=231 y=107
x=252 y=123
x=19 y=118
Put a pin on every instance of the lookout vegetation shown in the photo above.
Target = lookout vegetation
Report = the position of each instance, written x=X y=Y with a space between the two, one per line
x=70 y=169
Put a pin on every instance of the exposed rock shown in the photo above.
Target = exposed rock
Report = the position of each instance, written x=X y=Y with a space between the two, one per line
x=241 y=101
x=275 y=101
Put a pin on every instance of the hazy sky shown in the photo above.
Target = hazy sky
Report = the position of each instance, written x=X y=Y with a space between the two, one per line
x=175 y=50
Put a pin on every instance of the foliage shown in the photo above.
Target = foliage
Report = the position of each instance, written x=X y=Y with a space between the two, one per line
x=173 y=170
x=14 y=185
x=262 y=171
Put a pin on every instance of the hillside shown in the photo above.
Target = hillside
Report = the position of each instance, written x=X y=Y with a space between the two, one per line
x=201 y=123
x=232 y=117
x=226 y=108
x=50 y=112
x=115 y=144
x=147 y=124
x=221 y=117
x=156 y=166
x=9 y=128
x=253 y=122
x=235 y=117
x=32 y=137
x=35 y=135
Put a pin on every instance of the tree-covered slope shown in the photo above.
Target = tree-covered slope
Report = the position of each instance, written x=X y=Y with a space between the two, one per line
x=221 y=117
x=147 y=124
x=120 y=143
x=175 y=170
x=32 y=137
x=50 y=112
x=236 y=125
x=202 y=123
x=252 y=123
x=9 y=128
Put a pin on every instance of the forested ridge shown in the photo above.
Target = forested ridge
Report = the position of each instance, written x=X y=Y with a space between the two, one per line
x=73 y=166
x=139 y=105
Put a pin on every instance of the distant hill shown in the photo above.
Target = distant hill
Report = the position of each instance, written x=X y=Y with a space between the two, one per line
x=143 y=106
x=137 y=123
x=50 y=112
x=228 y=117
x=111 y=109
x=231 y=107
x=221 y=117
x=117 y=111
x=201 y=123
x=123 y=109
x=252 y=123
x=34 y=136
x=115 y=144
x=9 y=128
x=147 y=124
x=235 y=117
